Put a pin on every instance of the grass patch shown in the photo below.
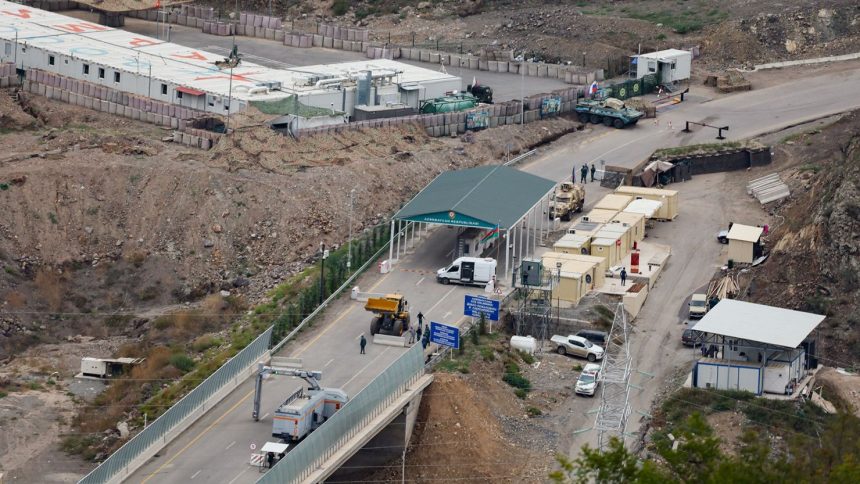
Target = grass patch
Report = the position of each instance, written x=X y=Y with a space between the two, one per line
x=809 y=167
x=533 y=411
x=182 y=362
x=527 y=358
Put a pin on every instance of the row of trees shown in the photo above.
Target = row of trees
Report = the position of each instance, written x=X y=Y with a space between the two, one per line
x=832 y=457
x=336 y=273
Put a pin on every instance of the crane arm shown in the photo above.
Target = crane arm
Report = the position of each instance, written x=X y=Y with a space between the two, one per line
x=311 y=377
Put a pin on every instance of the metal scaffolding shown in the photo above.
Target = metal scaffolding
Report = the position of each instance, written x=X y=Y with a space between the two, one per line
x=615 y=382
x=534 y=305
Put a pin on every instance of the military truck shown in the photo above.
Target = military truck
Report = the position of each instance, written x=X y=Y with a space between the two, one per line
x=391 y=315
x=567 y=199
x=610 y=111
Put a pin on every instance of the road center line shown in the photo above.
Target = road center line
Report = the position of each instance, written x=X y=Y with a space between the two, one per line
x=420 y=281
x=264 y=416
x=328 y=363
x=441 y=299
x=365 y=367
x=231 y=445
x=196 y=474
x=238 y=476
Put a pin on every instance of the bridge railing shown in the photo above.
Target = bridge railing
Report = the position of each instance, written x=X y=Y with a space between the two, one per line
x=309 y=455
x=130 y=456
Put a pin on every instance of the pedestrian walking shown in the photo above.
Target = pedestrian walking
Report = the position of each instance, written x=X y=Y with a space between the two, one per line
x=584 y=172
x=593 y=171
x=426 y=339
x=420 y=318
x=623 y=275
x=411 y=334
x=362 y=343
x=418 y=333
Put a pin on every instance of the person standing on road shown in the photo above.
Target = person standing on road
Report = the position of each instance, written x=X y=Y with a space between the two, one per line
x=584 y=172
x=411 y=334
x=362 y=343
x=420 y=318
x=426 y=340
x=418 y=333
x=593 y=171
x=623 y=275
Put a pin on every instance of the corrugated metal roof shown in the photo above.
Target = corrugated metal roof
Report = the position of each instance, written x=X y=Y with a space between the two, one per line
x=644 y=207
x=745 y=233
x=490 y=195
x=760 y=323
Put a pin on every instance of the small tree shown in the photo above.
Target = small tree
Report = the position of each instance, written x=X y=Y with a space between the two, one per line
x=482 y=324
x=474 y=336
x=462 y=348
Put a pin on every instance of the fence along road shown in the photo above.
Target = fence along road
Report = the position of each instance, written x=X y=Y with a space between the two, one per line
x=181 y=415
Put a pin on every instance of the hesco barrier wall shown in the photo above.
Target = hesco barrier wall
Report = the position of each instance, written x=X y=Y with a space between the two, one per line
x=359 y=411
x=701 y=164
x=357 y=40
x=182 y=414
x=632 y=87
x=538 y=106
x=8 y=75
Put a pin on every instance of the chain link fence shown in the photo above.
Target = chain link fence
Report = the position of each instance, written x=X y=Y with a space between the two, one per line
x=155 y=435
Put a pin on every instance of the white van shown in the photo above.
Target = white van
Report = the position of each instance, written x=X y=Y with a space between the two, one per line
x=468 y=270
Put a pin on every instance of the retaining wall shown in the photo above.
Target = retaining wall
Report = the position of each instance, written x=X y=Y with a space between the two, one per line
x=339 y=37
x=8 y=75
x=119 y=103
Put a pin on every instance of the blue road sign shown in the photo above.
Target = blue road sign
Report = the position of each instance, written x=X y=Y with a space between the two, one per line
x=475 y=305
x=444 y=335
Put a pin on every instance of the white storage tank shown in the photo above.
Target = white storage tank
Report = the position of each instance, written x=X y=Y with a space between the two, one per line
x=526 y=344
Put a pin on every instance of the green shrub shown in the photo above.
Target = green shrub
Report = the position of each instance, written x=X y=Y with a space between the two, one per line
x=511 y=367
x=520 y=393
x=527 y=358
x=517 y=381
x=181 y=362
x=340 y=7
x=203 y=343
x=533 y=411
x=487 y=354
x=463 y=369
x=473 y=335
x=577 y=367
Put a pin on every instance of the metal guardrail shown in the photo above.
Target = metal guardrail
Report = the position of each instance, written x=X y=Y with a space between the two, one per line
x=337 y=292
x=519 y=158
x=156 y=432
x=306 y=457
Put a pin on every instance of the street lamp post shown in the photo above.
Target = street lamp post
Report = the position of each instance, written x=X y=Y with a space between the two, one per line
x=557 y=295
x=349 y=242
x=324 y=253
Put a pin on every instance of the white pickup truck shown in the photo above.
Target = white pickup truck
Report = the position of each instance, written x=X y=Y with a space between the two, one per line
x=577 y=346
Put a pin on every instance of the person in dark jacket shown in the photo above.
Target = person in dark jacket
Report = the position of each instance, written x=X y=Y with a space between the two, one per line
x=623 y=275
x=362 y=343
x=418 y=332
x=593 y=171
x=584 y=172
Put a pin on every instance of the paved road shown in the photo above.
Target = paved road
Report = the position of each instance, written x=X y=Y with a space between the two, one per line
x=217 y=447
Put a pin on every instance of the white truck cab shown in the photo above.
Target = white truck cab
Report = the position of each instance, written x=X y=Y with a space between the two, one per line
x=468 y=270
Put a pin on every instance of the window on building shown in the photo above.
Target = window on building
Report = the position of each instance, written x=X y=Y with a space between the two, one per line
x=51 y=60
x=116 y=77
x=212 y=102
x=101 y=72
x=178 y=94
x=652 y=66
x=86 y=69
x=164 y=89
x=8 y=48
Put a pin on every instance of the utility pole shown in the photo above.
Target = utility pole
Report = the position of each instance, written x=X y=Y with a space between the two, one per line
x=614 y=380
x=349 y=241
x=229 y=99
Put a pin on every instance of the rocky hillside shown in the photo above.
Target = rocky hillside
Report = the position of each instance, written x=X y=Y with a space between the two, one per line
x=816 y=248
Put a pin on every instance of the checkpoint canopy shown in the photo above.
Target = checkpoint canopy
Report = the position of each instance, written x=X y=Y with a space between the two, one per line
x=498 y=198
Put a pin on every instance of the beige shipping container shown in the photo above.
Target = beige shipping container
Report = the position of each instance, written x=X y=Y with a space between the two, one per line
x=614 y=201
x=636 y=221
x=744 y=243
x=620 y=231
x=599 y=215
x=549 y=260
x=584 y=227
x=577 y=278
x=608 y=248
x=573 y=244
x=668 y=211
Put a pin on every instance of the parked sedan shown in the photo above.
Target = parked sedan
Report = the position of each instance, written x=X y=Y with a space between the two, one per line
x=690 y=338
x=587 y=383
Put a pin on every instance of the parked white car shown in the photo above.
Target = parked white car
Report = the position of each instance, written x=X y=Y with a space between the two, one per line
x=588 y=380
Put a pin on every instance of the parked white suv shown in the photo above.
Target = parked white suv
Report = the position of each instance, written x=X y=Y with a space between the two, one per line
x=588 y=380
x=577 y=346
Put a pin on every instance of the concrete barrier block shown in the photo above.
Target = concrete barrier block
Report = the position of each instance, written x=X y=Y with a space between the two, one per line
x=552 y=71
x=424 y=56
x=473 y=63
x=337 y=44
x=327 y=42
x=492 y=66
x=542 y=70
x=280 y=35
x=434 y=58
x=240 y=29
x=358 y=46
x=350 y=34
x=270 y=34
x=318 y=40
x=174 y=123
x=258 y=20
x=199 y=23
x=103 y=106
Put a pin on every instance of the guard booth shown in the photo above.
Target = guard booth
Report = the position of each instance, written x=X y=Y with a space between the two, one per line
x=671 y=65
x=492 y=204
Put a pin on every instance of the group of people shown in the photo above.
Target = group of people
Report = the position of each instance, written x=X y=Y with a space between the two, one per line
x=415 y=334
x=583 y=172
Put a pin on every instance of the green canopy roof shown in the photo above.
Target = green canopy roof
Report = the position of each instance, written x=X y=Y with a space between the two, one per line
x=486 y=196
